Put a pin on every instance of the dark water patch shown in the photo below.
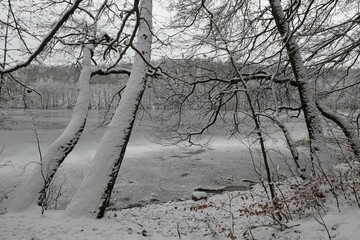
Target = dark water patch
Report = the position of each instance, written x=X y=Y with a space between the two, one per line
x=184 y=174
x=124 y=199
x=177 y=156
x=199 y=151
x=236 y=188
x=233 y=188
x=134 y=205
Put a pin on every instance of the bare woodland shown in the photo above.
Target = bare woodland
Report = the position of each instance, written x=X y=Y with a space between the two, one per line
x=234 y=65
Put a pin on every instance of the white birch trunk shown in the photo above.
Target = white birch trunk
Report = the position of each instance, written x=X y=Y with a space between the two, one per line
x=93 y=195
x=34 y=190
x=318 y=150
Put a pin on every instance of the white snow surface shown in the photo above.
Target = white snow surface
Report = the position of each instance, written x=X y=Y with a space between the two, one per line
x=199 y=195
x=205 y=219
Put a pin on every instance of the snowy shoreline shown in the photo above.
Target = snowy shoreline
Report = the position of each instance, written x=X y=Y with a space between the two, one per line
x=218 y=217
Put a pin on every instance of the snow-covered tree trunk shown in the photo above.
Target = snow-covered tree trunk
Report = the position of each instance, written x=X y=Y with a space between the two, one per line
x=347 y=128
x=35 y=189
x=94 y=193
x=300 y=165
x=318 y=149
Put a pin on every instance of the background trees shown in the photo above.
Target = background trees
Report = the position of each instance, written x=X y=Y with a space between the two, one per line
x=244 y=67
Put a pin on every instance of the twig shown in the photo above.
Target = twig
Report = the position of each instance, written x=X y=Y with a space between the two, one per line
x=178 y=230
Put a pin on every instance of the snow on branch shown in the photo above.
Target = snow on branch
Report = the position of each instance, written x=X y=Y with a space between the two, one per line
x=46 y=40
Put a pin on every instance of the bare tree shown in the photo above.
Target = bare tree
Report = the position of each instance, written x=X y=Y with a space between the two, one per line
x=29 y=196
x=318 y=149
x=94 y=193
x=234 y=67
x=310 y=44
x=32 y=55
x=248 y=84
x=36 y=189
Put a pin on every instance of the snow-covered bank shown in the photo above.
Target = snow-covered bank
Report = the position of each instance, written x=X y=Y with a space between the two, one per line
x=214 y=218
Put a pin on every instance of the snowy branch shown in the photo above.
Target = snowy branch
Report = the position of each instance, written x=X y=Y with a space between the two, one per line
x=46 y=40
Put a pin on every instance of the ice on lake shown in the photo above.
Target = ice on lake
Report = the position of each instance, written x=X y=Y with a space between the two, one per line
x=150 y=173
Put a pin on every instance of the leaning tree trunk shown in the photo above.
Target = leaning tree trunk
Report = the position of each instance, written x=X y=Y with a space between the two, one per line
x=94 y=193
x=300 y=165
x=318 y=148
x=35 y=190
x=347 y=128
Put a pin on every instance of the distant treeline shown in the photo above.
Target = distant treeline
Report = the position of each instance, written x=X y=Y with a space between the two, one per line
x=55 y=87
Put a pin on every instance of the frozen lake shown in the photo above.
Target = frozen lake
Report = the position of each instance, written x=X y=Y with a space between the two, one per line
x=150 y=172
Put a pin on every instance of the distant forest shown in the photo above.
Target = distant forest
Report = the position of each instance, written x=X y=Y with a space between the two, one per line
x=55 y=87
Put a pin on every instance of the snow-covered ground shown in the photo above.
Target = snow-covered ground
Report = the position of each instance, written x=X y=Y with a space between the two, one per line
x=218 y=217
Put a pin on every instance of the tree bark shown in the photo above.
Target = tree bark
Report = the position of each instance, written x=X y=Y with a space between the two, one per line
x=94 y=193
x=35 y=190
x=347 y=128
x=318 y=149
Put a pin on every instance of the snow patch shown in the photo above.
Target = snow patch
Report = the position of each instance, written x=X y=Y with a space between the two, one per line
x=198 y=195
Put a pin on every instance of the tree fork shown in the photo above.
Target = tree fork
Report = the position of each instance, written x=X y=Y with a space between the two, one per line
x=94 y=193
